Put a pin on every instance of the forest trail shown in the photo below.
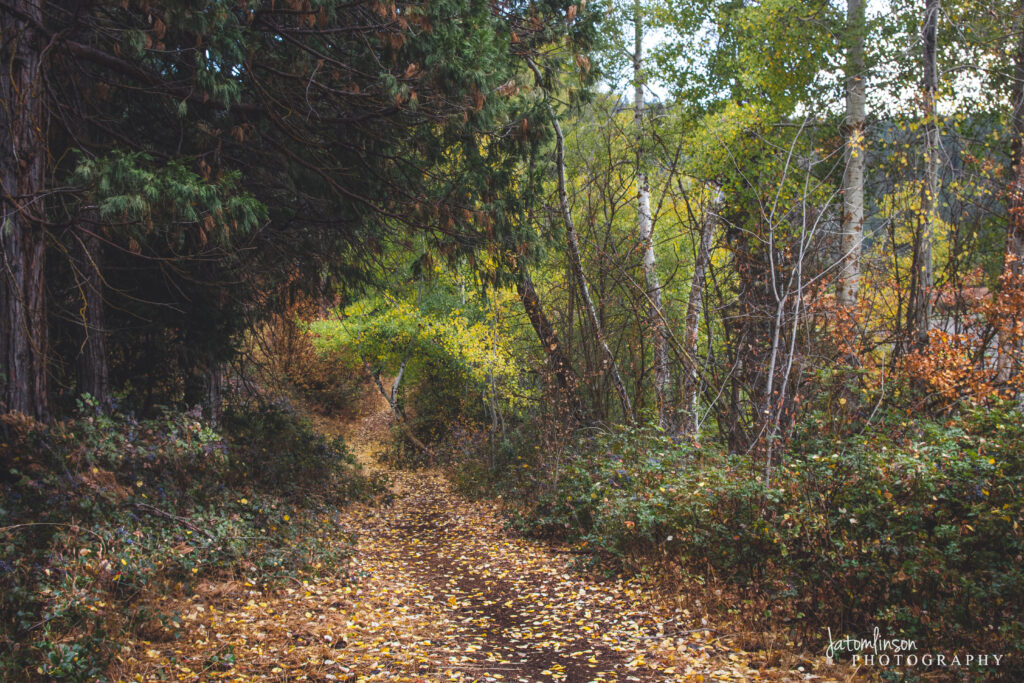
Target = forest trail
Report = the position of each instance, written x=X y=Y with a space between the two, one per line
x=439 y=590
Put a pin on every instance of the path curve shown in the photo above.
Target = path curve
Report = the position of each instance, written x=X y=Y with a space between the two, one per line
x=506 y=608
x=439 y=590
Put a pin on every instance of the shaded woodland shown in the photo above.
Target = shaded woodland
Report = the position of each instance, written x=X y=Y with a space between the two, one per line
x=726 y=294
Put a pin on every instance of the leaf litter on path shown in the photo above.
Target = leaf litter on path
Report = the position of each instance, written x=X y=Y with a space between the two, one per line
x=438 y=590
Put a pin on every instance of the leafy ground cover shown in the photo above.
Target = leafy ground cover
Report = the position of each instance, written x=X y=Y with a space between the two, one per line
x=106 y=518
x=440 y=590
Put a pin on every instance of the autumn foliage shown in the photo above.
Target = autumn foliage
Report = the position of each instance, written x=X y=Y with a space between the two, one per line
x=981 y=361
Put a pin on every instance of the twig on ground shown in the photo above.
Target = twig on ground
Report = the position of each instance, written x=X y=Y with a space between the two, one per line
x=157 y=512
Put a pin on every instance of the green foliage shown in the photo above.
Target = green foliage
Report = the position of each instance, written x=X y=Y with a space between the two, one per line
x=922 y=534
x=771 y=54
x=450 y=357
x=338 y=130
x=103 y=510
x=277 y=451
x=130 y=191
x=386 y=331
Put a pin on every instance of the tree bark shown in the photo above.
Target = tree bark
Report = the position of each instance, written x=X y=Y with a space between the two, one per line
x=557 y=359
x=576 y=263
x=923 y=278
x=645 y=223
x=694 y=304
x=853 y=176
x=23 y=330
x=1008 y=350
x=1014 y=264
x=213 y=384
x=398 y=415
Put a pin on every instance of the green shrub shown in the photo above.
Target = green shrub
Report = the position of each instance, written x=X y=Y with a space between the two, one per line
x=921 y=534
x=275 y=449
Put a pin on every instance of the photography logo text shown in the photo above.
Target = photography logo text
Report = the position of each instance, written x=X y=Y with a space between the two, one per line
x=886 y=652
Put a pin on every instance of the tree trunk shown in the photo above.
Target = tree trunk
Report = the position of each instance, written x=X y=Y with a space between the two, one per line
x=23 y=330
x=853 y=176
x=323 y=301
x=576 y=263
x=93 y=376
x=398 y=414
x=923 y=276
x=694 y=305
x=213 y=384
x=1015 y=226
x=553 y=349
x=1008 y=350
x=645 y=222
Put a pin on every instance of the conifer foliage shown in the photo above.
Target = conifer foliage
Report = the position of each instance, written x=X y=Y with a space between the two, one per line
x=175 y=170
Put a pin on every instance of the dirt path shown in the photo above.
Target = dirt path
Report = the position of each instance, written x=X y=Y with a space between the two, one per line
x=440 y=591
x=507 y=608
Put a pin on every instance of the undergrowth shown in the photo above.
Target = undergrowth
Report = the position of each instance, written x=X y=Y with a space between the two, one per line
x=102 y=512
x=915 y=527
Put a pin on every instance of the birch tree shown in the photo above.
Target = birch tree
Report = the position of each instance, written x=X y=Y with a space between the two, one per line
x=645 y=225
x=853 y=176
x=694 y=305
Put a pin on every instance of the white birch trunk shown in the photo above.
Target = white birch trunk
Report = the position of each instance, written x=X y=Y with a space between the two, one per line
x=695 y=302
x=853 y=177
x=645 y=224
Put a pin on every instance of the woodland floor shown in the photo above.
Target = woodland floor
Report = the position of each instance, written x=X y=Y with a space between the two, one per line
x=439 y=590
